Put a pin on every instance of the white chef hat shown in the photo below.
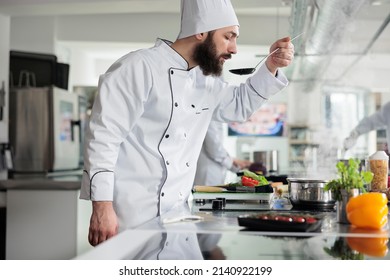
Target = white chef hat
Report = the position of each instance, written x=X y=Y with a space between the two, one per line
x=199 y=16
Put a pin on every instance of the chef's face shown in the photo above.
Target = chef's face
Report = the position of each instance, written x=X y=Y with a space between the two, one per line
x=218 y=47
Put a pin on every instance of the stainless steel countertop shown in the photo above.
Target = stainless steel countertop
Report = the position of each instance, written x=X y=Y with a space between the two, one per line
x=219 y=236
x=54 y=181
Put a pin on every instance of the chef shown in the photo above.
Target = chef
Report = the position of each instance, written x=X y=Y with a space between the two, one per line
x=380 y=119
x=152 y=112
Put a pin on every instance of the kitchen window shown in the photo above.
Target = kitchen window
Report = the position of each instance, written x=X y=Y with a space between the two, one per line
x=344 y=108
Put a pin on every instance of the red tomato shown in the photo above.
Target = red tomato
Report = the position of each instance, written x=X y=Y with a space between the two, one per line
x=249 y=182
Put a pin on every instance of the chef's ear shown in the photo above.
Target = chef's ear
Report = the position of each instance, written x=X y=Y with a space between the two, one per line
x=200 y=36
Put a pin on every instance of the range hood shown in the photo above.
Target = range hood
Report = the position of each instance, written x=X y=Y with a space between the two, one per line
x=327 y=27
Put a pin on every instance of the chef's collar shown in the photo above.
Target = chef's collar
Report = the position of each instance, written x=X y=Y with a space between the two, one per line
x=176 y=59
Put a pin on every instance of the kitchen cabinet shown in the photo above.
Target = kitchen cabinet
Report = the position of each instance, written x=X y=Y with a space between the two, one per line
x=302 y=148
x=45 y=220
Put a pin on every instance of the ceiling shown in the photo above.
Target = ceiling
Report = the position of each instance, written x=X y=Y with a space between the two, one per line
x=61 y=7
x=345 y=30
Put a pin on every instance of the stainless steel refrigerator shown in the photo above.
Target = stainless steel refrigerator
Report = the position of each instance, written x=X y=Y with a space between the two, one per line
x=44 y=129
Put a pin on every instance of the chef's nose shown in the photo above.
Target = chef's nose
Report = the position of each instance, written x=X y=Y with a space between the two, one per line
x=232 y=47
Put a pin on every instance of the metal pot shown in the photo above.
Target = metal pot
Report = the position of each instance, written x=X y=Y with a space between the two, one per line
x=309 y=193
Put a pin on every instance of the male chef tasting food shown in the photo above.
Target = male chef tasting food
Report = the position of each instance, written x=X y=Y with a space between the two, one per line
x=152 y=112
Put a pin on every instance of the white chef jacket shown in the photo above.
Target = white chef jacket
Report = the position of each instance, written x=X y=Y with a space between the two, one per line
x=380 y=119
x=214 y=160
x=147 y=127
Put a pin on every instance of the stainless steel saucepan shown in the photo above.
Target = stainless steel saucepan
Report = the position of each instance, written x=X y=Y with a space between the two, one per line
x=309 y=193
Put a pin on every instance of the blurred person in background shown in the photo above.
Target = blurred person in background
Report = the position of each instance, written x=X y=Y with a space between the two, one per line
x=214 y=160
x=379 y=120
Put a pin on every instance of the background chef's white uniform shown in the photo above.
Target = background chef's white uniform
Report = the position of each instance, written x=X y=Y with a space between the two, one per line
x=380 y=119
x=151 y=115
x=214 y=160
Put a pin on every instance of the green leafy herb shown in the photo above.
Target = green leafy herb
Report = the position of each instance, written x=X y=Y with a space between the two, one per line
x=349 y=178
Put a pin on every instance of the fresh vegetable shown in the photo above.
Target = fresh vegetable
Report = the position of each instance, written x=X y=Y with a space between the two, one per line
x=365 y=200
x=259 y=178
x=368 y=210
x=249 y=182
x=349 y=178
x=250 y=179
x=371 y=246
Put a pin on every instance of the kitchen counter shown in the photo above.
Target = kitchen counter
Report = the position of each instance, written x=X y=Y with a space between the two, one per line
x=218 y=236
x=41 y=208
x=53 y=181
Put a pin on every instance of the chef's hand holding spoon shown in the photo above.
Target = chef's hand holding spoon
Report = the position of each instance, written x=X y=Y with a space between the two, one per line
x=281 y=55
x=284 y=53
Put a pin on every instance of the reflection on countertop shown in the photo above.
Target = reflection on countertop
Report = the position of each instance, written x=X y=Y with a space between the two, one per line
x=218 y=236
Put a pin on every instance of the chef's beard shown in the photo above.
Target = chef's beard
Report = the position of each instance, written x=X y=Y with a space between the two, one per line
x=205 y=55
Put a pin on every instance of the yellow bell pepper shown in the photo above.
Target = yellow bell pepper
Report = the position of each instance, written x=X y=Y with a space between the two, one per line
x=366 y=199
x=368 y=210
x=370 y=246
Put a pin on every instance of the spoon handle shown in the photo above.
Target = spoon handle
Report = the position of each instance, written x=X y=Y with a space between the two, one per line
x=277 y=50
x=267 y=57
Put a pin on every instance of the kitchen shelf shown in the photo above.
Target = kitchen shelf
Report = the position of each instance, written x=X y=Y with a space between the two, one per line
x=302 y=148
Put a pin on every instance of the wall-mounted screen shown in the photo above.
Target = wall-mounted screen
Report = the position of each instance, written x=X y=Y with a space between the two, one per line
x=269 y=120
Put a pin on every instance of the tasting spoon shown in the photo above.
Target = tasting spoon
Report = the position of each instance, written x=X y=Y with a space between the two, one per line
x=247 y=71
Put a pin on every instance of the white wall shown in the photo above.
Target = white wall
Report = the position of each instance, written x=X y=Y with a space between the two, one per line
x=33 y=34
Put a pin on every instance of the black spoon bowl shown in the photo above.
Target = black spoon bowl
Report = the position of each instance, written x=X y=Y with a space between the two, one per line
x=247 y=71
x=242 y=71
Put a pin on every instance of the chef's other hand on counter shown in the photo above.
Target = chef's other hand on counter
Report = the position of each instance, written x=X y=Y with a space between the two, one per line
x=104 y=222
x=282 y=57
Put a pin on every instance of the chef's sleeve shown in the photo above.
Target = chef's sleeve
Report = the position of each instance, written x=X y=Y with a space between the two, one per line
x=119 y=103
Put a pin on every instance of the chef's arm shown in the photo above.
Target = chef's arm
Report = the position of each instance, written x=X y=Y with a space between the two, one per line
x=240 y=164
x=117 y=107
x=104 y=222
x=238 y=103
x=373 y=122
